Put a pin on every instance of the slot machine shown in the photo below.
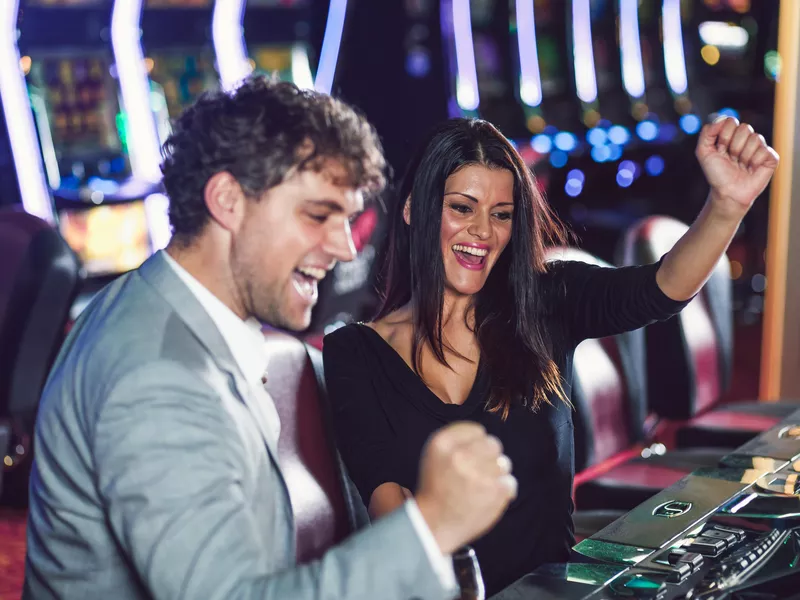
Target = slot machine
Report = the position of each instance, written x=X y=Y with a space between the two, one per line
x=75 y=55
x=179 y=55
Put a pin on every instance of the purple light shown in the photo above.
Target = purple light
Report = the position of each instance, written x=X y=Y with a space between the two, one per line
x=466 y=73
x=19 y=120
x=631 y=49
x=674 y=59
x=585 y=77
x=530 y=83
x=329 y=55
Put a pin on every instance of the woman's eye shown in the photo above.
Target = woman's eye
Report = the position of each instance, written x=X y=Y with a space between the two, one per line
x=504 y=216
x=462 y=208
x=318 y=218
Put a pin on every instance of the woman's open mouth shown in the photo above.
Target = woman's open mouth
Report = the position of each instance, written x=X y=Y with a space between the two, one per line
x=471 y=257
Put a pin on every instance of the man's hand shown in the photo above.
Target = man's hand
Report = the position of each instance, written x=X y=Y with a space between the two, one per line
x=465 y=484
x=737 y=164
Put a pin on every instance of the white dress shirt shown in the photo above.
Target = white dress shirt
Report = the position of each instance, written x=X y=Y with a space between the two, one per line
x=245 y=340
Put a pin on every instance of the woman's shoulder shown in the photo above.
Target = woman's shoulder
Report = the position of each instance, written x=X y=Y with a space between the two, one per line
x=350 y=335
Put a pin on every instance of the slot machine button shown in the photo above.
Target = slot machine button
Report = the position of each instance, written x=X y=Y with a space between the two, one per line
x=729 y=538
x=679 y=572
x=707 y=546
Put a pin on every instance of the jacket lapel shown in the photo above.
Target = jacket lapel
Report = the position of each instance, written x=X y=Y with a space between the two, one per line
x=163 y=279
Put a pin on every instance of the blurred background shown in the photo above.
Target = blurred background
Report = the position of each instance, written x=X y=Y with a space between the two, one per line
x=603 y=98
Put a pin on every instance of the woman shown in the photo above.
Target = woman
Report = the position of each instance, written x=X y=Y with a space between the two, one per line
x=475 y=326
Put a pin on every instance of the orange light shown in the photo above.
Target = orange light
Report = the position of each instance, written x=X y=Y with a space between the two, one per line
x=736 y=269
x=591 y=117
x=536 y=124
x=710 y=54
x=25 y=64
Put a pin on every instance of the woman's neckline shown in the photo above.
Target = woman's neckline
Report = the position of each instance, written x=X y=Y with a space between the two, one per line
x=474 y=397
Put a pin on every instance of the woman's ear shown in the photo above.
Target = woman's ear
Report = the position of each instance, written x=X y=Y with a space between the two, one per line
x=407 y=211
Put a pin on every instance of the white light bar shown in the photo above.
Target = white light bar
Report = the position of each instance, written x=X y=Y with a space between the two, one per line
x=674 y=59
x=630 y=48
x=467 y=94
x=583 y=52
x=723 y=35
x=301 y=68
x=228 y=37
x=530 y=82
x=19 y=119
x=331 y=43
x=143 y=145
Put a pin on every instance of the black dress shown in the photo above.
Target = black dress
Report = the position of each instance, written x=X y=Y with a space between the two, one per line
x=384 y=413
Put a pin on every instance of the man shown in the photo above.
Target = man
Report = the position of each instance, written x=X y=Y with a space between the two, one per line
x=156 y=473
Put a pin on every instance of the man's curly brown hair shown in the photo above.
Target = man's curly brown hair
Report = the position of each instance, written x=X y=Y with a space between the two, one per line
x=258 y=133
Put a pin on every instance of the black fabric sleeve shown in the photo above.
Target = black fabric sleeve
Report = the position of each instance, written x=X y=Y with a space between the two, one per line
x=363 y=431
x=596 y=301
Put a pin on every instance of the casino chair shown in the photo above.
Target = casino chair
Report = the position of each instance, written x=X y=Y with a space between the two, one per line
x=326 y=505
x=39 y=279
x=690 y=357
x=617 y=468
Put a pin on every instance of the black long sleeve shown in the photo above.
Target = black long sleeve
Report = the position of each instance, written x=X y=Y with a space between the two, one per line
x=595 y=302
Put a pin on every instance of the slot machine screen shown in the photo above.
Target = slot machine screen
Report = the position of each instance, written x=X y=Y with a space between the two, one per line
x=271 y=60
x=74 y=97
x=109 y=239
x=183 y=76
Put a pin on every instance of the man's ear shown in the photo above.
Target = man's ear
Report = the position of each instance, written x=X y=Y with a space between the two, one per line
x=225 y=201
x=407 y=211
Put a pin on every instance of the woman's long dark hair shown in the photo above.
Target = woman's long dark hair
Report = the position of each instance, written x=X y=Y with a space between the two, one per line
x=514 y=344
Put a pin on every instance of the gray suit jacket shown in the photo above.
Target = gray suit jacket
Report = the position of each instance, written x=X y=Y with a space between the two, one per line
x=153 y=480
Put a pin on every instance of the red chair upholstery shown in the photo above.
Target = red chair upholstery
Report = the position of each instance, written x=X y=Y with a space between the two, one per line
x=326 y=509
x=609 y=395
x=39 y=279
x=690 y=357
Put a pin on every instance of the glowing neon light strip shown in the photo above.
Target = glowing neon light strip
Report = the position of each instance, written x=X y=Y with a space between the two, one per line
x=631 y=49
x=530 y=82
x=331 y=43
x=228 y=37
x=674 y=59
x=19 y=119
x=467 y=94
x=143 y=145
x=585 y=77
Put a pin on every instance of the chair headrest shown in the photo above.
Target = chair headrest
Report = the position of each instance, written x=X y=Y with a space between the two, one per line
x=39 y=279
x=556 y=253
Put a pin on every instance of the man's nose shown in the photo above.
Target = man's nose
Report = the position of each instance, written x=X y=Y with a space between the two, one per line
x=339 y=243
